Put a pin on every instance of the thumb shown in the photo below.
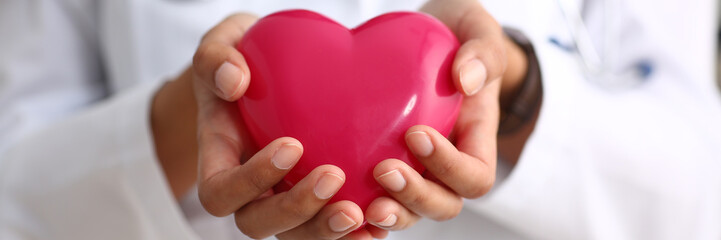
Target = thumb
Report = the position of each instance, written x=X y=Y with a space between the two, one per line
x=481 y=58
x=218 y=66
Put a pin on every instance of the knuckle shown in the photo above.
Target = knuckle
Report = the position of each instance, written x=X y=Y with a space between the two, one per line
x=452 y=211
x=210 y=205
x=449 y=166
x=243 y=17
x=238 y=16
x=480 y=189
x=257 y=184
x=417 y=200
x=202 y=53
x=251 y=232
x=206 y=35
x=403 y=222
x=231 y=17
x=294 y=206
x=496 y=53
x=401 y=225
x=474 y=193
x=208 y=54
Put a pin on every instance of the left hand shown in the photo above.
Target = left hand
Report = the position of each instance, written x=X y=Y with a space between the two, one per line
x=467 y=168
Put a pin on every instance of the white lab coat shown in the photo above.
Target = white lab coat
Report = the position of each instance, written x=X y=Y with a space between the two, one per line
x=76 y=156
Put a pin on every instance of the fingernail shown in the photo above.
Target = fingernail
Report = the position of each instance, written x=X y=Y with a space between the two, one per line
x=286 y=156
x=473 y=75
x=340 y=222
x=228 y=78
x=393 y=180
x=327 y=185
x=389 y=221
x=420 y=143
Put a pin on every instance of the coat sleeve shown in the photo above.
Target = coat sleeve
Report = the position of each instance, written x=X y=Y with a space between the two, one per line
x=75 y=162
x=631 y=163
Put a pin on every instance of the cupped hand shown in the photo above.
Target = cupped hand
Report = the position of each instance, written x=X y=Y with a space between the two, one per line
x=464 y=167
x=235 y=178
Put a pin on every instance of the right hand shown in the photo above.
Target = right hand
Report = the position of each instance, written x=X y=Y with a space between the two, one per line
x=235 y=179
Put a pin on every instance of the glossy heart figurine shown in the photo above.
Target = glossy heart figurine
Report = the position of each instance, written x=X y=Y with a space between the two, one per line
x=348 y=95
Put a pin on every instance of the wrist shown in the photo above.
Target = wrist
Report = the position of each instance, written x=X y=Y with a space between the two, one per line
x=173 y=122
x=515 y=74
x=524 y=93
x=523 y=98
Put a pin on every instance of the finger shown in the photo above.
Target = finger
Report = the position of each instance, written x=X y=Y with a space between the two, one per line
x=231 y=29
x=376 y=232
x=465 y=174
x=388 y=214
x=332 y=222
x=361 y=234
x=481 y=58
x=420 y=195
x=476 y=128
x=478 y=62
x=288 y=210
x=225 y=186
x=217 y=64
x=220 y=144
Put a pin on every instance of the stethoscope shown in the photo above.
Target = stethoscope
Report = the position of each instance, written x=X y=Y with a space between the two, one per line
x=597 y=64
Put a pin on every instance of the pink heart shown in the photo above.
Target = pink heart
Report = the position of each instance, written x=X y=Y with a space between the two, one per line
x=348 y=95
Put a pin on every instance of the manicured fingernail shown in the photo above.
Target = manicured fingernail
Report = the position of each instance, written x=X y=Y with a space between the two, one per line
x=340 y=222
x=420 y=143
x=393 y=180
x=389 y=221
x=229 y=78
x=473 y=75
x=286 y=156
x=327 y=185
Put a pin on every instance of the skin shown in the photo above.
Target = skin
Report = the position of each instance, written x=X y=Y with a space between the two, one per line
x=199 y=135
